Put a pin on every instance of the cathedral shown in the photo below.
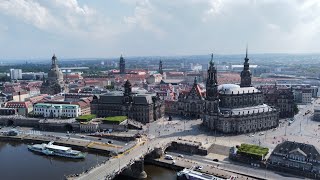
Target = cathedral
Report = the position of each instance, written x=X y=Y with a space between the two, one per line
x=228 y=108
x=54 y=84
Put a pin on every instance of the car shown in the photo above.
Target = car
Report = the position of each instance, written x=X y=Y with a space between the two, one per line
x=82 y=136
x=180 y=155
x=262 y=133
x=168 y=157
x=215 y=160
x=110 y=142
x=199 y=167
x=173 y=162
x=99 y=139
x=252 y=135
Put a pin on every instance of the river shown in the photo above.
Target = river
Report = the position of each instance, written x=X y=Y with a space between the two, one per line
x=17 y=163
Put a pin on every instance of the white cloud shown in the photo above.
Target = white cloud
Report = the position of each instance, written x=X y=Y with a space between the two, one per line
x=144 y=17
x=168 y=26
x=62 y=17
x=29 y=11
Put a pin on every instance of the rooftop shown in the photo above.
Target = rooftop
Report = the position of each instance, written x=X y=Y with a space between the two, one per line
x=247 y=110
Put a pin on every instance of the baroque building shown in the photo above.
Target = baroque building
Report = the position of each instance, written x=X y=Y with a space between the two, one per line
x=54 y=84
x=282 y=98
x=144 y=108
x=227 y=108
x=297 y=158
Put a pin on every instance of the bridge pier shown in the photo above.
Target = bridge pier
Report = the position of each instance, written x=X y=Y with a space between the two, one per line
x=136 y=170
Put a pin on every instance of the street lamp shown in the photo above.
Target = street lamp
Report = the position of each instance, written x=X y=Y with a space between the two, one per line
x=285 y=130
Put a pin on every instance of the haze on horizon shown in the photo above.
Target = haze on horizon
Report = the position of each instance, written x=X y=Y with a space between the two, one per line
x=83 y=28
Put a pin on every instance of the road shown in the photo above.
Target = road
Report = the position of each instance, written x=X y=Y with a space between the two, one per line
x=235 y=167
x=74 y=136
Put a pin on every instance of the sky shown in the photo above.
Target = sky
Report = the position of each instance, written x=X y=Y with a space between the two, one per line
x=107 y=28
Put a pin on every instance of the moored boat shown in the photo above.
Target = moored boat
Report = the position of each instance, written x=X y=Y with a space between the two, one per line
x=51 y=149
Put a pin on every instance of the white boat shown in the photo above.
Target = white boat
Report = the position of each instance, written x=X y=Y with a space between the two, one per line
x=188 y=174
x=50 y=149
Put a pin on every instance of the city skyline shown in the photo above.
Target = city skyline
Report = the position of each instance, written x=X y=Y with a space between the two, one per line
x=85 y=29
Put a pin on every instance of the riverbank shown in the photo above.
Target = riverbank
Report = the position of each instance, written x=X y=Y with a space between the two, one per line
x=79 y=144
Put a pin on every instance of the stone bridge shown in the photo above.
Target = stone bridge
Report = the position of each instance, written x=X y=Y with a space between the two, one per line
x=130 y=163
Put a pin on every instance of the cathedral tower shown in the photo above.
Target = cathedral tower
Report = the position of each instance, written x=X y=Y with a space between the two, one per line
x=212 y=82
x=246 y=74
x=160 y=67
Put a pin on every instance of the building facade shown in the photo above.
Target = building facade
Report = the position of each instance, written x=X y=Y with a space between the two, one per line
x=56 y=110
x=54 y=84
x=282 y=98
x=144 y=108
x=189 y=104
x=15 y=74
x=296 y=157
x=302 y=95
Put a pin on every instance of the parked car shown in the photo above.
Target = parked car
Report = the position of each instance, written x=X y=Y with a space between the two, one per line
x=173 y=162
x=82 y=136
x=215 y=160
x=180 y=155
x=262 y=133
x=110 y=142
x=199 y=167
x=168 y=157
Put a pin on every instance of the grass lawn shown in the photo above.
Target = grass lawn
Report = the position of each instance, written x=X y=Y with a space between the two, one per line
x=254 y=150
x=114 y=119
x=86 y=118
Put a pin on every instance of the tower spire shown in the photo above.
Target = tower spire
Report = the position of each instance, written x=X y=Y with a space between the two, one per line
x=247 y=51
x=246 y=74
x=160 y=67
x=195 y=81
x=212 y=84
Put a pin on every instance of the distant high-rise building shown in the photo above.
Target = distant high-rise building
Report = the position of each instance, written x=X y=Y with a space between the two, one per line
x=122 y=65
x=160 y=67
x=15 y=74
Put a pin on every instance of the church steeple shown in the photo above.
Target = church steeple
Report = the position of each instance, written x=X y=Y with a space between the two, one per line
x=246 y=74
x=160 y=67
x=212 y=81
